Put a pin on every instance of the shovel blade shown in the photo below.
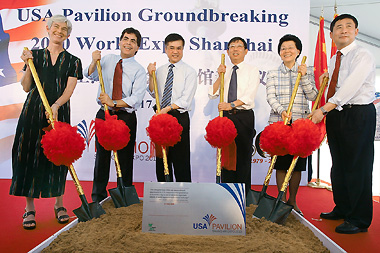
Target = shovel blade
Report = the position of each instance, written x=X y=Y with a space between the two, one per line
x=272 y=210
x=281 y=213
x=94 y=210
x=254 y=197
x=124 y=196
x=265 y=207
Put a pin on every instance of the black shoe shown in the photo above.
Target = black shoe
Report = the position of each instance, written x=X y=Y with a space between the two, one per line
x=331 y=216
x=348 y=228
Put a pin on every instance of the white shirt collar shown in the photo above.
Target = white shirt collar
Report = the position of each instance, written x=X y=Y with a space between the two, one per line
x=348 y=48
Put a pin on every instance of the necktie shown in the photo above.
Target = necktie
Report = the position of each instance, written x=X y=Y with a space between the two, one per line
x=334 y=78
x=117 y=90
x=166 y=97
x=232 y=90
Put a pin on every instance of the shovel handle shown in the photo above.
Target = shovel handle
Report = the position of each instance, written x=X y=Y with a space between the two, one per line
x=164 y=155
x=41 y=91
x=117 y=164
x=270 y=170
x=221 y=97
x=101 y=81
x=166 y=167
x=320 y=93
x=76 y=181
x=221 y=87
x=156 y=91
x=218 y=165
x=294 y=93
x=289 y=174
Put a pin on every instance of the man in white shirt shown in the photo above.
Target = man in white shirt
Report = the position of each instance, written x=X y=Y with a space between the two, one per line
x=123 y=100
x=241 y=84
x=177 y=83
x=350 y=126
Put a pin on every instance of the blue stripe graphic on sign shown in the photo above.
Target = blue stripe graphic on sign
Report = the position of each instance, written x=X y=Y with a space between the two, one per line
x=240 y=200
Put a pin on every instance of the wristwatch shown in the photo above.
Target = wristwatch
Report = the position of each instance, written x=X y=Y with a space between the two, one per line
x=232 y=105
x=324 y=112
x=114 y=103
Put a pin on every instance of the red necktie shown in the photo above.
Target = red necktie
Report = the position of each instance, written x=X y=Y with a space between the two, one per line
x=117 y=81
x=334 y=78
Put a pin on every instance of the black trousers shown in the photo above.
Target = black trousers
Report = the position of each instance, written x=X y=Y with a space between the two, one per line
x=179 y=155
x=244 y=121
x=351 y=134
x=103 y=157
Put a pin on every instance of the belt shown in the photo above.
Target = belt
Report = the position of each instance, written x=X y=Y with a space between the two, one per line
x=236 y=111
x=112 y=109
x=351 y=106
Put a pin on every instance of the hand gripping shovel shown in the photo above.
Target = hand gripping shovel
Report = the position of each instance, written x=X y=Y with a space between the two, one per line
x=122 y=196
x=254 y=197
x=86 y=211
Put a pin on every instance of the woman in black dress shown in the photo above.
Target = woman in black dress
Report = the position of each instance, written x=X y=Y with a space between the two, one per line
x=34 y=175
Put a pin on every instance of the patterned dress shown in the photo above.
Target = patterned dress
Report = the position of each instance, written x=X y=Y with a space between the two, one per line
x=33 y=174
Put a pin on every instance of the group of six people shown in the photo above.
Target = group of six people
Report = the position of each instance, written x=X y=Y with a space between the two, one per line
x=350 y=119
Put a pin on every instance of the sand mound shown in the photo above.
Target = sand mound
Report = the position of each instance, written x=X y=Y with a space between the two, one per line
x=120 y=231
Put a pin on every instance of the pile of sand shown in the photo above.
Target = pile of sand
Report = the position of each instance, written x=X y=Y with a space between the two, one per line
x=120 y=231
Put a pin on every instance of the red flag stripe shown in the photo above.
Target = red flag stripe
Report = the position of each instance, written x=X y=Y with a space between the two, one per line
x=16 y=4
x=333 y=46
x=6 y=148
x=10 y=111
x=18 y=68
x=320 y=58
x=28 y=31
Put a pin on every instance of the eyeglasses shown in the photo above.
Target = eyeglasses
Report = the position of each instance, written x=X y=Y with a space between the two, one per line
x=287 y=48
x=236 y=46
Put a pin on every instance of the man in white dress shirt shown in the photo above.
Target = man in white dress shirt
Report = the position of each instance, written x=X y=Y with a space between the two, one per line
x=350 y=126
x=177 y=83
x=241 y=84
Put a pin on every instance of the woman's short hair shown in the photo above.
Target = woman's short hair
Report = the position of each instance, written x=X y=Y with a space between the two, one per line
x=60 y=19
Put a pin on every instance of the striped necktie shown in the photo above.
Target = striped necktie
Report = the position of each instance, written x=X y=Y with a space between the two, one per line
x=232 y=91
x=166 y=97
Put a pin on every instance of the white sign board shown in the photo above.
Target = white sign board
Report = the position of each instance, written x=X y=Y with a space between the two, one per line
x=194 y=208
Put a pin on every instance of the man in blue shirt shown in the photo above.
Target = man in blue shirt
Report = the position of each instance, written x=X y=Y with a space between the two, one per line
x=123 y=98
x=177 y=84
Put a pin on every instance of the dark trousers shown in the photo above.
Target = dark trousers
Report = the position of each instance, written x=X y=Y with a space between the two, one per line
x=103 y=157
x=179 y=155
x=244 y=121
x=351 y=135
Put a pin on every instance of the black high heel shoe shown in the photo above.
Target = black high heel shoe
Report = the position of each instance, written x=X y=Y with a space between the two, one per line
x=63 y=218
x=33 y=222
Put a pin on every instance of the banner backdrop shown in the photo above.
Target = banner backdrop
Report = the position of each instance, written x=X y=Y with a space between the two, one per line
x=207 y=26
